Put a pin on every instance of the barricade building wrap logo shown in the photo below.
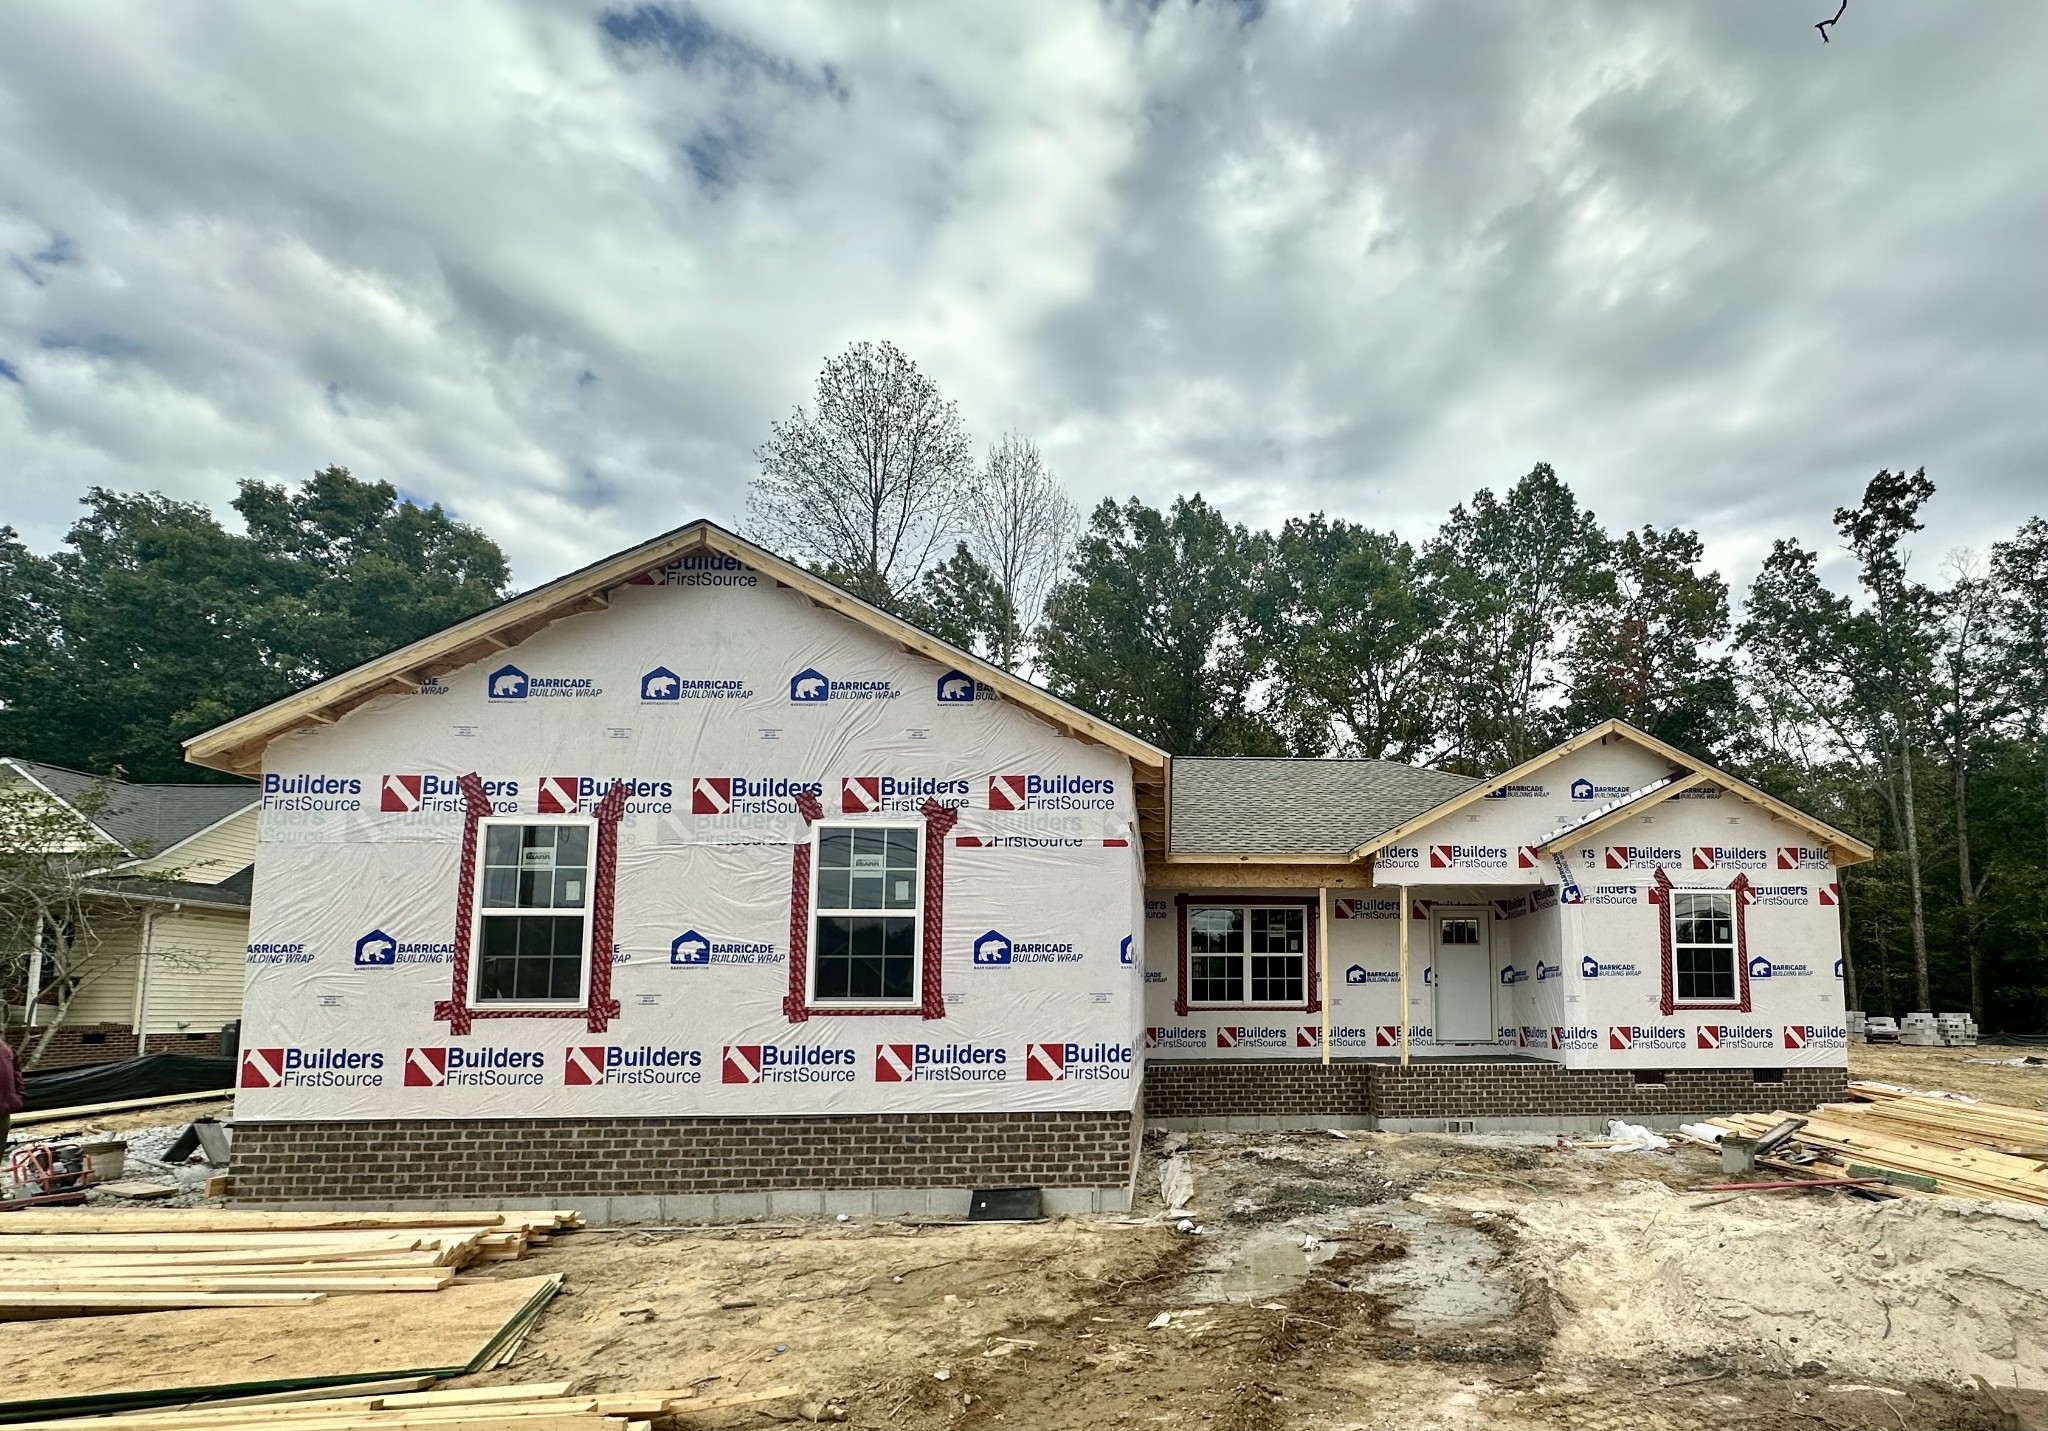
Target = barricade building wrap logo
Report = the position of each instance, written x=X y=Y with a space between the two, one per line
x=811 y=685
x=1549 y=971
x=312 y=791
x=1801 y=857
x=941 y=1063
x=1626 y=1037
x=378 y=950
x=955 y=688
x=749 y=795
x=509 y=683
x=1468 y=857
x=1591 y=968
x=279 y=952
x=593 y=1066
x=1518 y=792
x=1254 y=1036
x=581 y=794
x=311 y=1068
x=1761 y=967
x=691 y=950
x=995 y=950
x=1359 y=974
x=455 y=1066
x=1644 y=857
x=1511 y=976
x=1583 y=789
x=661 y=686
x=1816 y=1036
x=1729 y=857
x=439 y=795
x=1174 y=1037
x=770 y=1063
x=1051 y=792
x=1748 y=1036
x=1077 y=1062
x=899 y=794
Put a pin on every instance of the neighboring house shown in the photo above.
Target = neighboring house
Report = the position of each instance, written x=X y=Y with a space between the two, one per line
x=690 y=883
x=175 y=949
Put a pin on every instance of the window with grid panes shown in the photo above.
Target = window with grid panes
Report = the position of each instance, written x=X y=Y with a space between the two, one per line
x=533 y=916
x=1703 y=945
x=864 y=920
x=1247 y=954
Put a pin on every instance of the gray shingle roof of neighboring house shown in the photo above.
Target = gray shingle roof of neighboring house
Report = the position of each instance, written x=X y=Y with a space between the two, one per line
x=146 y=819
x=231 y=893
x=1249 y=805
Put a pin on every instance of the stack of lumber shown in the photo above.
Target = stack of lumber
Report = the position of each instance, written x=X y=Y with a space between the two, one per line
x=1944 y=1146
x=533 y=1406
x=60 y=1263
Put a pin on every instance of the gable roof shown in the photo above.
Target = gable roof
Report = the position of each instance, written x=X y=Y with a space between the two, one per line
x=1690 y=771
x=1252 y=805
x=141 y=819
x=237 y=746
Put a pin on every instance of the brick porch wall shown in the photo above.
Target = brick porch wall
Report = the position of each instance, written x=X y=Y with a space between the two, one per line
x=650 y=1157
x=1289 y=1088
x=1439 y=1089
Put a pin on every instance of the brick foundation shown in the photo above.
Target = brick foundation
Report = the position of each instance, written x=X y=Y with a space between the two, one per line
x=1438 y=1089
x=78 y=1044
x=576 y=1158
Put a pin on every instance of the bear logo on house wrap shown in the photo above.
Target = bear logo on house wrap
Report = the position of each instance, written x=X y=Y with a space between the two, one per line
x=660 y=684
x=689 y=948
x=376 y=949
x=955 y=687
x=508 y=683
x=809 y=685
x=992 y=948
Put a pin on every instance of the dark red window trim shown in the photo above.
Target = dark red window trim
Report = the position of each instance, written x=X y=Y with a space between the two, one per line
x=1310 y=923
x=796 y=1005
x=1660 y=895
x=599 y=1008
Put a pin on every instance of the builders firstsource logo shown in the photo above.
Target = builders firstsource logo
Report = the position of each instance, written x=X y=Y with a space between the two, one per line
x=439 y=795
x=592 y=1065
x=455 y=1066
x=581 y=794
x=899 y=794
x=1622 y=1038
x=1780 y=894
x=1170 y=1036
x=811 y=686
x=1366 y=908
x=1468 y=857
x=311 y=1068
x=1644 y=857
x=749 y=795
x=1801 y=857
x=1076 y=1062
x=941 y=1063
x=770 y=1063
x=1712 y=1037
x=1574 y=1036
x=1254 y=1036
x=510 y=683
x=1816 y=1036
x=1051 y=792
x=1730 y=857
x=310 y=790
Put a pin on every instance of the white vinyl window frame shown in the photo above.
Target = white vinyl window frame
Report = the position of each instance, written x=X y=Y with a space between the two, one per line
x=1724 y=901
x=1248 y=908
x=480 y=911
x=913 y=912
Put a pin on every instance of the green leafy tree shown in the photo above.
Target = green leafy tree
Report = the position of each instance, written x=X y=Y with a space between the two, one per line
x=963 y=602
x=1340 y=625
x=1642 y=650
x=1506 y=577
x=1149 y=629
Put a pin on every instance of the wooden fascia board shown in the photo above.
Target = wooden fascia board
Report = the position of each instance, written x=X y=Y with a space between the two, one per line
x=1530 y=766
x=1827 y=834
x=1626 y=812
x=1332 y=859
x=1252 y=878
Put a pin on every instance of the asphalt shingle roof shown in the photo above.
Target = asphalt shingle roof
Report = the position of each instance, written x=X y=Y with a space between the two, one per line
x=147 y=819
x=1251 y=805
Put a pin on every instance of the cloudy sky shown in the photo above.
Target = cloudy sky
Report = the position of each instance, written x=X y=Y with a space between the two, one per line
x=559 y=267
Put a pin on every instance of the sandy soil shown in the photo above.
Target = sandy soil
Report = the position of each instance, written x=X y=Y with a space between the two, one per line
x=159 y=1116
x=1496 y=1284
x=1956 y=1070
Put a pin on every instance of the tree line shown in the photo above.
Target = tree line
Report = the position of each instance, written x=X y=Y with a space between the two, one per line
x=1908 y=707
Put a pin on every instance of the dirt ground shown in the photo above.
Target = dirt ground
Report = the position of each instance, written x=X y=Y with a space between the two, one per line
x=1972 y=1071
x=1363 y=1282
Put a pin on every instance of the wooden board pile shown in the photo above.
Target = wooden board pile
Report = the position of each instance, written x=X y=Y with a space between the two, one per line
x=533 y=1406
x=76 y=1263
x=1991 y=1151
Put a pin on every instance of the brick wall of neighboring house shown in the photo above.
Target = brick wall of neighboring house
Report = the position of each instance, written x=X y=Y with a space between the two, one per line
x=649 y=1157
x=1282 y=1088
x=77 y=1044
x=1545 y=1090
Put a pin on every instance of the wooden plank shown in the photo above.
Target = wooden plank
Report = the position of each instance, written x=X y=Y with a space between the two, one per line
x=87 y=1110
x=39 y=1306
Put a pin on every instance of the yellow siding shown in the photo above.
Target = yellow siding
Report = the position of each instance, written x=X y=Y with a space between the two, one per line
x=110 y=998
x=195 y=971
x=212 y=855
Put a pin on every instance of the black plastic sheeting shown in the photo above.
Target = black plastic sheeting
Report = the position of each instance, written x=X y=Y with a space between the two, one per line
x=146 y=1077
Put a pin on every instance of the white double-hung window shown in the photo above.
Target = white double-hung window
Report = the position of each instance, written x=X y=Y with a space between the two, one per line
x=1703 y=951
x=866 y=914
x=532 y=931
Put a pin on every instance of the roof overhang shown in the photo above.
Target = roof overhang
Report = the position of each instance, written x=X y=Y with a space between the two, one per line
x=237 y=747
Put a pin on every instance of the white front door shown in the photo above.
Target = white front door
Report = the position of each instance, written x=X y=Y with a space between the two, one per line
x=1463 y=960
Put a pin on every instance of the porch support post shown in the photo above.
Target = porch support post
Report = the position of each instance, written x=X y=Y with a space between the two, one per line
x=1404 y=975
x=1323 y=951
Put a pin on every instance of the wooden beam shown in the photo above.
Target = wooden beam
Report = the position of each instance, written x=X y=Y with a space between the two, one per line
x=1174 y=875
x=1323 y=950
x=1404 y=975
